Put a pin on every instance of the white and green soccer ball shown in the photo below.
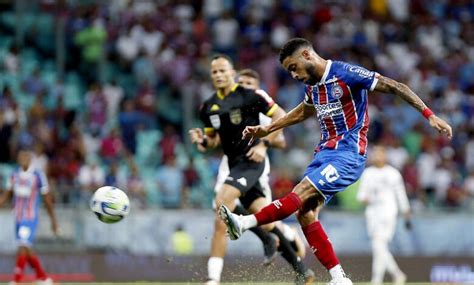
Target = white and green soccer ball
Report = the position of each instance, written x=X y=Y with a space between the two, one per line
x=110 y=204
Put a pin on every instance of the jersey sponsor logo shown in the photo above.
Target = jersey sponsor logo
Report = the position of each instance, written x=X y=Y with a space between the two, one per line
x=321 y=182
x=330 y=173
x=313 y=249
x=215 y=107
x=277 y=204
x=215 y=121
x=361 y=71
x=242 y=181
x=337 y=91
x=329 y=110
x=236 y=116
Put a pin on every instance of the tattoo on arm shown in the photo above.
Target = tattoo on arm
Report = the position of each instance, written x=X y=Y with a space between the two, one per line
x=388 y=85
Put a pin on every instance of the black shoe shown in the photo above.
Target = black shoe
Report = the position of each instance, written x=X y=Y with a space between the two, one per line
x=270 y=251
x=307 y=278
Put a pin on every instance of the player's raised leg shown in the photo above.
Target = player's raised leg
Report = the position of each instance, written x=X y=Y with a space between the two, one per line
x=277 y=210
x=227 y=196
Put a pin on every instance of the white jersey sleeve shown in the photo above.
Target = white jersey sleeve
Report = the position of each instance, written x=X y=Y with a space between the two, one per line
x=365 y=186
x=400 y=192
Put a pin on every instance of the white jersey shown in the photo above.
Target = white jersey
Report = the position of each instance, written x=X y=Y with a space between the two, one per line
x=384 y=190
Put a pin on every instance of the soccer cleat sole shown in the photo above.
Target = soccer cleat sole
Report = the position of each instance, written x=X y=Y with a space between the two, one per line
x=226 y=216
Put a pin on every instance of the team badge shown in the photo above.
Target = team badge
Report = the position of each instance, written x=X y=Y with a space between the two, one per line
x=235 y=116
x=214 y=108
x=215 y=121
x=337 y=91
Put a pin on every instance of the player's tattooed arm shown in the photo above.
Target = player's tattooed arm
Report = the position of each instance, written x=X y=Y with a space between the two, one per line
x=388 y=85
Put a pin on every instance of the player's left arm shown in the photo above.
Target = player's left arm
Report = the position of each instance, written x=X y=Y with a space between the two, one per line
x=48 y=201
x=5 y=197
x=49 y=204
x=388 y=85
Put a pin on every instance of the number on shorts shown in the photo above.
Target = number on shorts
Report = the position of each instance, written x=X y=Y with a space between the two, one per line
x=330 y=173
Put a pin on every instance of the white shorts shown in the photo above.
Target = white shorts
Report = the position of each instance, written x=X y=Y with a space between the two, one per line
x=264 y=179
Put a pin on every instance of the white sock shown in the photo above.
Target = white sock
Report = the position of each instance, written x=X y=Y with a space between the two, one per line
x=248 y=222
x=214 y=268
x=337 y=272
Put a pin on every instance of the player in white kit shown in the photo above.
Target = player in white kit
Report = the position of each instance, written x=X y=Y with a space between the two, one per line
x=383 y=191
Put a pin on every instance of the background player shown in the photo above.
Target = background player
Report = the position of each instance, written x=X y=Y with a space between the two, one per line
x=287 y=239
x=27 y=187
x=337 y=93
x=383 y=191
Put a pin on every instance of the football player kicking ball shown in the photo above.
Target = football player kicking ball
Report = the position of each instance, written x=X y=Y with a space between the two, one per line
x=337 y=92
x=225 y=115
x=27 y=185
x=287 y=239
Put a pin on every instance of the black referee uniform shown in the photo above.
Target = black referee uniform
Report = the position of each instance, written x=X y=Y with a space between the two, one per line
x=228 y=116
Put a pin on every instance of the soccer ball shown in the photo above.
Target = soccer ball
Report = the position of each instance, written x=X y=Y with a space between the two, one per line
x=110 y=204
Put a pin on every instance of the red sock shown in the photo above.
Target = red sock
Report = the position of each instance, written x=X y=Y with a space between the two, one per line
x=19 y=267
x=320 y=245
x=279 y=209
x=36 y=264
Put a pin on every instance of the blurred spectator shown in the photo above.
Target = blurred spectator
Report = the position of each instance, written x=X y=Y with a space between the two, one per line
x=11 y=61
x=33 y=84
x=112 y=178
x=113 y=94
x=40 y=159
x=96 y=105
x=167 y=145
x=170 y=181
x=135 y=188
x=91 y=177
x=112 y=146
x=130 y=121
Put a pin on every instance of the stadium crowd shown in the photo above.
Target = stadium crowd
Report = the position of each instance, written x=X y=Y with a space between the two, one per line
x=132 y=67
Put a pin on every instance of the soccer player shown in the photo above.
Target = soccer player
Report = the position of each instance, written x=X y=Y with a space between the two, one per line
x=250 y=79
x=225 y=115
x=382 y=190
x=337 y=93
x=26 y=186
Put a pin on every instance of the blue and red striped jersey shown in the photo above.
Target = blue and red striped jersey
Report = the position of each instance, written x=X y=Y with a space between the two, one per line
x=340 y=100
x=27 y=187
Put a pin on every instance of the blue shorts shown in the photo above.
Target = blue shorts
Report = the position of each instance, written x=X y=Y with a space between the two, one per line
x=25 y=232
x=332 y=171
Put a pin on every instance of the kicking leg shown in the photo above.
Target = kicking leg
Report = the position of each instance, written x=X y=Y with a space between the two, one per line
x=277 y=210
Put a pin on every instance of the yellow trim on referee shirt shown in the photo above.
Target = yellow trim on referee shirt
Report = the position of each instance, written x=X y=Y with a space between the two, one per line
x=272 y=110
x=222 y=96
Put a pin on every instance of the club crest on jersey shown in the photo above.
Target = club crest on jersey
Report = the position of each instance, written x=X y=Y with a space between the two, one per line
x=337 y=91
x=235 y=116
x=215 y=121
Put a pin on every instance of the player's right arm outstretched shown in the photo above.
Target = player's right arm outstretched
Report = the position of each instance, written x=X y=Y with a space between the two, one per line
x=295 y=116
x=389 y=85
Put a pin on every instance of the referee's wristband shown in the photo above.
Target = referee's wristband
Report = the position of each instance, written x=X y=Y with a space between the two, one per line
x=427 y=112
x=266 y=143
x=204 y=142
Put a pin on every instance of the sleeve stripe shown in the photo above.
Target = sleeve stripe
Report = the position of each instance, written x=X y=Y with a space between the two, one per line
x=374 y=83
x=272 y=110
